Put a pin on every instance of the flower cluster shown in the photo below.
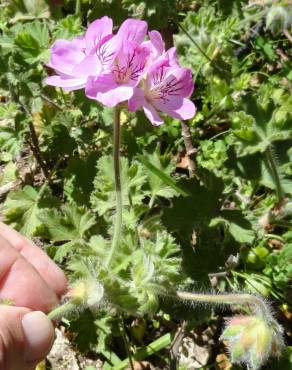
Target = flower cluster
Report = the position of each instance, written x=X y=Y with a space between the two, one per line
x=124 y=67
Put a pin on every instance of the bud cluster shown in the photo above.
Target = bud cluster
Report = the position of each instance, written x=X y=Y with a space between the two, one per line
x=253 y=339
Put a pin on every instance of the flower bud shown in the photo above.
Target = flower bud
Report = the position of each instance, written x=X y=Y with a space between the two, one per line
x=278 y=18
x=252 y=339
x=86 y=293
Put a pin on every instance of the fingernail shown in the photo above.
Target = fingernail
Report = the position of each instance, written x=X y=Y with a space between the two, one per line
x=39 y=335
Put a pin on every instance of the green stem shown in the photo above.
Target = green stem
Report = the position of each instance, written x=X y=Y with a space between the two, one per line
x=61 y=311
x=119 y=205
x=77 y=7
x=195 y=43
x=282 y=223
x=225 y=299
x=274 y=173
x=126 y=343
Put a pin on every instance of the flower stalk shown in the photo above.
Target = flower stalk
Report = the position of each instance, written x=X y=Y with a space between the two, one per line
x=226 y=299
x=62 y=311
x=118 y=189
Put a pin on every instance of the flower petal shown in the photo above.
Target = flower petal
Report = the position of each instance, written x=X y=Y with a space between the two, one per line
x=157 y=42
x=90 y=66
x=137 y=100
x=105 y=90
x=96 y=31
x=131 y=62
x=107 y=49
x=171 y=55
x=183 y=76
x=180 y=108
x=133 y=30
x=67 y=83
x=152 y=114
x=66 y=54
x=170 y=81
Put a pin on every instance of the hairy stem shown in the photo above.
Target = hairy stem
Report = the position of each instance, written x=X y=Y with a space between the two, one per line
x=119 y=205
x=190 y=150
x=275 y=174
x=35 y=147
x=60 y=311
x=225 y=299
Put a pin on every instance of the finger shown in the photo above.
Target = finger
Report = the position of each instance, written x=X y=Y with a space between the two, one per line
x=21 y=283
x=25 y=338
x=50 y=272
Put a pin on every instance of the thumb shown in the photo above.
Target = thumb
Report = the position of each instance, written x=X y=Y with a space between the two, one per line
x=25 y=337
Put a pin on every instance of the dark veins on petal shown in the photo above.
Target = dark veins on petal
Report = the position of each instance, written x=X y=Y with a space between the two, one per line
x=168 y=88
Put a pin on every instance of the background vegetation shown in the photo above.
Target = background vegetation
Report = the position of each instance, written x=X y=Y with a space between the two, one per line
x=207 y=204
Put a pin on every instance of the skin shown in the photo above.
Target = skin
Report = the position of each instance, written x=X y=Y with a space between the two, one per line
x=32 y=282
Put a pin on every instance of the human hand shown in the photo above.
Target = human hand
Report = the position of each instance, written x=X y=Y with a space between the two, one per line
x=30 y=280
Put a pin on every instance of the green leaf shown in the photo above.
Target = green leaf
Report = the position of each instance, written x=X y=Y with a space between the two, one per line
x=33 y=42
x=103 y=198
x=72 y=225
x=149 y=350
x=265 y=131
x=9 y=173
x=158 y=187
x=68 y=27
x=267 y=48
x=167 y=180
x=79 y=176
x=22 y=207
x=243 y=125
x=28 y=9
x=10 y=141
x=237 y=225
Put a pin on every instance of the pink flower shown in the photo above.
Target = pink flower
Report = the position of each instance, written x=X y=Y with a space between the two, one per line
x=157 y=48
x=124 y=67
x=116 y=83
x=75 y=60
x=166 y=88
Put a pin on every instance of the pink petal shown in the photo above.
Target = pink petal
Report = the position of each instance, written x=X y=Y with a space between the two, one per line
x=96 y=31
x=180 y=108
x=133 y=30
x=157 y=42
x=171 y=55
x=184 y=79
x=67 y=83
x=170 y=81
x=152 y=114
x=105 y=90
x=157 y=71
x=90 y=66
x=137 y=100
x=131 y=61
x=107 y=49
x=115 y=96
x=66 y=54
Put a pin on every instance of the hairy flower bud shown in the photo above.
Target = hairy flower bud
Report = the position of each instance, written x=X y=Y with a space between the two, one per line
x=279 y=18
x=87 y=293
x=253 y=339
